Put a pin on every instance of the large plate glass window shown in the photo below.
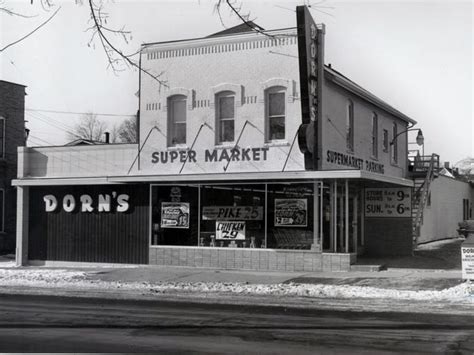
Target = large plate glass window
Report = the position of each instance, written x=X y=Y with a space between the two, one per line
x=233 y=216
x=290 y=216
x=174 y=215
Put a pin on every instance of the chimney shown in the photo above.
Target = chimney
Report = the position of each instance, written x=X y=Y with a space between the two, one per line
x=107 y=137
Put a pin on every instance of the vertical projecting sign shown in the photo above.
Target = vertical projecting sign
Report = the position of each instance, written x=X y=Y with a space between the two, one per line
x=311 y=66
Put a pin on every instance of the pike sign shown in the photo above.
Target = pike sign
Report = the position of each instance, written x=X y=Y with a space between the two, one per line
x=388 y=202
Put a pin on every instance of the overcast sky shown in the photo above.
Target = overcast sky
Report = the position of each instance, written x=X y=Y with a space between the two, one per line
x=417 y=56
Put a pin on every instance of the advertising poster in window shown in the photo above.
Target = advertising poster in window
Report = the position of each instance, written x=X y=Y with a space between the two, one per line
x=174 y=215
x=230 y=230
x=291 y=212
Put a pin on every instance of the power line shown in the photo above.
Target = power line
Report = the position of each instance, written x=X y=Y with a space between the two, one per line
x=80 y=113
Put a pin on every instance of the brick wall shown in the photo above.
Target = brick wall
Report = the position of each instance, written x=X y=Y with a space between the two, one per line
x=258 y=259
x=12 y=106
x=388 y=236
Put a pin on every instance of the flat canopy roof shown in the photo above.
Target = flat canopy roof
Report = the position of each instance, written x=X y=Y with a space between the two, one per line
x=219 y=177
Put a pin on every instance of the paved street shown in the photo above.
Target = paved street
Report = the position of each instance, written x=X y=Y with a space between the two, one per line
x=63 y=324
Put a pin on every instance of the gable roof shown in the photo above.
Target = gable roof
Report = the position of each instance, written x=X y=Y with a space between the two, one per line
x=247 y=26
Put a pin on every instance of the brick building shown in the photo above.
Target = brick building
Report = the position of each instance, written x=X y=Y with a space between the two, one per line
x=12 y=135
x=252 y=155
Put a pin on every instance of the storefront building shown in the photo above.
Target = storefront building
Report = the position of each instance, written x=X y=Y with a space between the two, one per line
x=231 y=170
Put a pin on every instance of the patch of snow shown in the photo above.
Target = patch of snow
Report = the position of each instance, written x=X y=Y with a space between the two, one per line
x=7 y=264
x=69 y=279
x=437 y=244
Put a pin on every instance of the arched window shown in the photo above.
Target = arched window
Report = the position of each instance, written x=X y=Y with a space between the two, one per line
x=350 y=126
x=176 y=120
x=275 y=113
x=225 y=116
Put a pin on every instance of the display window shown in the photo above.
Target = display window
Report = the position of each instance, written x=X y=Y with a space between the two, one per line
x=290 y=216
x=174 y=215
x=233 y=216
x=265 y=215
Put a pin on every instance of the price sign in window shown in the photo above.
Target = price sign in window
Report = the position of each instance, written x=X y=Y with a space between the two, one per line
x=230 y=230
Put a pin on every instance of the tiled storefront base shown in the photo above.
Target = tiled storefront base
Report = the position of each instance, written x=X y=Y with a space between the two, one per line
x=250 y=259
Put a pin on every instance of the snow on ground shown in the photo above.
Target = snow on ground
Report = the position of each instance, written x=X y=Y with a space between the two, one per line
x=438 y=244
x=68 y=279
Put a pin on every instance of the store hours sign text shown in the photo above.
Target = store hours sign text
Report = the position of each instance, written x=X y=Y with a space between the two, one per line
x=388 y=202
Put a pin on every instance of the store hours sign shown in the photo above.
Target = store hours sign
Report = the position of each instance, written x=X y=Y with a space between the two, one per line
x=388 y=202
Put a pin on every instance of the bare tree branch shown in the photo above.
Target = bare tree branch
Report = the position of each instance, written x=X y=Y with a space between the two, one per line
x=30 y=33
x=237 y=10
x=114 y=55
x=13 y=13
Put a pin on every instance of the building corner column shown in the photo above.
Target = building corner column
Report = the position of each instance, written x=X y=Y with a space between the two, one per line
x=22 y=223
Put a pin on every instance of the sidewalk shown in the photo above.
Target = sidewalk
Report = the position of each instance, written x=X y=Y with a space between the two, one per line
x=400 y=286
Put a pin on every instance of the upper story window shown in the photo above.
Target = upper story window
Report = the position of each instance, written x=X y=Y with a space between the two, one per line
x=2 y=138
x=275 y=112
x=225 y=116
x=395 y=144
x=350 y=126
x=375 y=132
x=176 y=120
x=385 y=140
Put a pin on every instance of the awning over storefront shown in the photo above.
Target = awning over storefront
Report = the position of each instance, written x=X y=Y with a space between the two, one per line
x=267 y=176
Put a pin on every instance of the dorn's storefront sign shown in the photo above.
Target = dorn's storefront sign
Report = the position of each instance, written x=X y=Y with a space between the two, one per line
x=86 y=203
x=311 y=61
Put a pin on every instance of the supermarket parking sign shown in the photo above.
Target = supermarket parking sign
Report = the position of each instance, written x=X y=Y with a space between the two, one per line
x=388 y=202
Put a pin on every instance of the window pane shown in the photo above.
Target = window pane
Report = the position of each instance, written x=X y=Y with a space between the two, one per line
x=226 y=107
x=290 y=216
x=276 y=104
x=227 y=131
x=174 y=215
x=179 y=111
x=179 y=134
x=277 y=128
x=240 y=209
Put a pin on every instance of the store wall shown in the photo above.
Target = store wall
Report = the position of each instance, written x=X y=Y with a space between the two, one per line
x=119 y=235
x=388 y=237
x=78 y=161
x=441 y=218
x=12 y=103
x=246 y=64
x=334 y=134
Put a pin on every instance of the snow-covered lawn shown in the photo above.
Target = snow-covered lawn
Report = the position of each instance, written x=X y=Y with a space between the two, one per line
x=80 y=280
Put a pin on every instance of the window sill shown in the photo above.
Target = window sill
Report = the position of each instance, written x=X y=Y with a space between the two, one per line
x=351 y=152
x=374 y=158
x=276 y=144
x=225 y=146
x=177 y=148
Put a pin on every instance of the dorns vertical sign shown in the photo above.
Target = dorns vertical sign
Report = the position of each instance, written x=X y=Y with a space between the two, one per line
x=311 y=67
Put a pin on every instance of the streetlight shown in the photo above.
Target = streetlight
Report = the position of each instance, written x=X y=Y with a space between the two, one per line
x=419 y=137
